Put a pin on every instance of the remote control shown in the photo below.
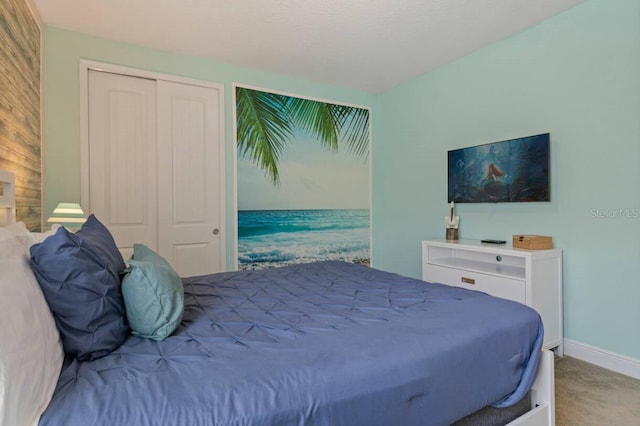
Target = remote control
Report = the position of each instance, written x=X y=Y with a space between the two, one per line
x=493 y=241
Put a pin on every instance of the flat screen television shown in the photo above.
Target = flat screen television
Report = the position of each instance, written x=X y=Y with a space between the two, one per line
x=514 y=170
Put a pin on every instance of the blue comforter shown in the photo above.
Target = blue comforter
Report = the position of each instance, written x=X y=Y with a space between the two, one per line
x=328 y=343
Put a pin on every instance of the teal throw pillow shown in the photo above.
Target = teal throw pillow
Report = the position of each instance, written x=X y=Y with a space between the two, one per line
x=153 y=295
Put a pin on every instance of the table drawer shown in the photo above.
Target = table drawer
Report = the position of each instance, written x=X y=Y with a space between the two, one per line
x=506 y=288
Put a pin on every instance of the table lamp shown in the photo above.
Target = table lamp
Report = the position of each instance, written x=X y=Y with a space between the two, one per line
x=69 y=215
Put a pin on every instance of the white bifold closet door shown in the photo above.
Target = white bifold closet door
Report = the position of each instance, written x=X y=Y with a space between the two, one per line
x=155 y=168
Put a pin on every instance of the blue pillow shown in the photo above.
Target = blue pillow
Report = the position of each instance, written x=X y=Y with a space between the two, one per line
x=153 y=295
x=82 y=288
x=93 y=230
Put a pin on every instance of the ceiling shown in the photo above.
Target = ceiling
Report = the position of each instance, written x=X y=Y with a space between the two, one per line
x=368 y=45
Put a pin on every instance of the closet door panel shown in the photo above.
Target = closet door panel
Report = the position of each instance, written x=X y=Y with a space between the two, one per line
x=190 y=178
x=122 y=157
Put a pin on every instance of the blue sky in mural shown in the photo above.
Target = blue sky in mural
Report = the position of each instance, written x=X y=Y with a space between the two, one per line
x=311 y=178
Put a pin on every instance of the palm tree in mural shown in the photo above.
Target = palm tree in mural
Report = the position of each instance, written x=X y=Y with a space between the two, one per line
x=266 y=122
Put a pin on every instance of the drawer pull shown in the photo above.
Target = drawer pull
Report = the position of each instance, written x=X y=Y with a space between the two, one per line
x=468 y=280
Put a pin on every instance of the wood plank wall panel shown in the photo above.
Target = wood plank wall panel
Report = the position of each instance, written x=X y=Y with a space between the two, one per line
x=20 y=141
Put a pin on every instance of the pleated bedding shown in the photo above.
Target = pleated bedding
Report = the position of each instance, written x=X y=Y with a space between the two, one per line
x=327 y=343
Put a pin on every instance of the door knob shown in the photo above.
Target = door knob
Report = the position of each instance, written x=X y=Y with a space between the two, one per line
x=216 y=231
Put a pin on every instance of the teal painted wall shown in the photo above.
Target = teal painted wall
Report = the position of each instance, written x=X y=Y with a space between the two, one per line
x=577 y=76
x=62 y=52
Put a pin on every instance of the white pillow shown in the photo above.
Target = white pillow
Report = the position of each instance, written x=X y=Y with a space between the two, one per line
x=26 y=238
x=30 y=349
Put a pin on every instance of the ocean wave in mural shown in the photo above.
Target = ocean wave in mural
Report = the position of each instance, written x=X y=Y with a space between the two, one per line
x=268 y=238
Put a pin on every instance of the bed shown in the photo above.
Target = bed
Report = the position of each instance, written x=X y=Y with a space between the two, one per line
x=328 y=343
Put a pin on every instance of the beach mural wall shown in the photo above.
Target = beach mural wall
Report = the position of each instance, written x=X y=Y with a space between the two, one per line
x=303 y=180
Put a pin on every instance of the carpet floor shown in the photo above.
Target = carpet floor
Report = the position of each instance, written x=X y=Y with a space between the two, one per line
x=590 y=395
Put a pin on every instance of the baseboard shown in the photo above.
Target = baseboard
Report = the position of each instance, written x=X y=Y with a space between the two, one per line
x=602 y=358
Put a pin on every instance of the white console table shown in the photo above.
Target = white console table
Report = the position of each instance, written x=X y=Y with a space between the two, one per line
x=531 y=277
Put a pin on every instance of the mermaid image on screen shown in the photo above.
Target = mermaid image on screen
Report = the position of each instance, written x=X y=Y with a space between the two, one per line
x=507 y=171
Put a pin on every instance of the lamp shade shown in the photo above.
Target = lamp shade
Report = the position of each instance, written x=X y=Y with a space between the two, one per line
x=68 y=214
